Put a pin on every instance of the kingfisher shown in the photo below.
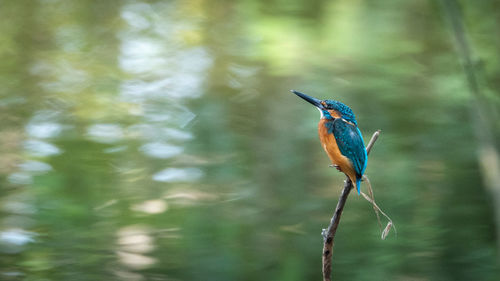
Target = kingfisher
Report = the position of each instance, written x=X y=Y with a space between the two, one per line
x=340 y=137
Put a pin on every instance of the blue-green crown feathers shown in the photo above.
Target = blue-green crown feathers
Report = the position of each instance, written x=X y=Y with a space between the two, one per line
x=343 y=109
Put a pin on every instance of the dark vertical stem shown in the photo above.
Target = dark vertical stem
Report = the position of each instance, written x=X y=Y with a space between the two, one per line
x=329 y=233
x=332 y=229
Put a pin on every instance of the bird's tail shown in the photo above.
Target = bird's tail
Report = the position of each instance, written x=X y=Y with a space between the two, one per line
x=358 y=185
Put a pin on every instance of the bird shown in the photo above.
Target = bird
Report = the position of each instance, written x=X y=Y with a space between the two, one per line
x=340 y=137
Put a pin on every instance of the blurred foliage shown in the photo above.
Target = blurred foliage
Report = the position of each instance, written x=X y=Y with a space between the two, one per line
x=157 y=140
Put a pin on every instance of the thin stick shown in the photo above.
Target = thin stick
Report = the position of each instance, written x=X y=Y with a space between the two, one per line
x=372 y=141
x=329 y=233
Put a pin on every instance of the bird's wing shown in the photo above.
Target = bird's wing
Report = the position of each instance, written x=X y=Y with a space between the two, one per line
x=350 y=143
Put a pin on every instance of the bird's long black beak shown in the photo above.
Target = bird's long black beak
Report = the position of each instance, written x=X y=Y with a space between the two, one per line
x=314 y=101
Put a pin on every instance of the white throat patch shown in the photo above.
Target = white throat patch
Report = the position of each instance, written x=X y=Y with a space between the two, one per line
x=321 y=112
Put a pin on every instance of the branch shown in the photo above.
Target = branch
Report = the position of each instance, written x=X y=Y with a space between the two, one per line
x=329 y=233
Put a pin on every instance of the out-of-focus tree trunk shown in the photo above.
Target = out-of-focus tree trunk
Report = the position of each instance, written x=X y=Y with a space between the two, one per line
x=482 y=117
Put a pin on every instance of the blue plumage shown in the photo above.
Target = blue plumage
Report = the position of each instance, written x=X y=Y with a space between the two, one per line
x=343 y=109
x=350 y=143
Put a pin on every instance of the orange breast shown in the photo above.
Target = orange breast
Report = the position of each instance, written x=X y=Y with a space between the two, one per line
x=332 y=150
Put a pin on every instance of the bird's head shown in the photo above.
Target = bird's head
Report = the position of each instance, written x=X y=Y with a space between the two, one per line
x=329 y=109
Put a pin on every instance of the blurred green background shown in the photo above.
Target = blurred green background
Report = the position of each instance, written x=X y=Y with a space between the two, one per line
x=158 y=140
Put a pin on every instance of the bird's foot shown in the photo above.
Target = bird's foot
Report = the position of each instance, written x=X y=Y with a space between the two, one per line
x=335 y=166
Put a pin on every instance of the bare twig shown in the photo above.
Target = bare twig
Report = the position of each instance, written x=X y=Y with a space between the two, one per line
x=329 y=233
x=372 y=141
